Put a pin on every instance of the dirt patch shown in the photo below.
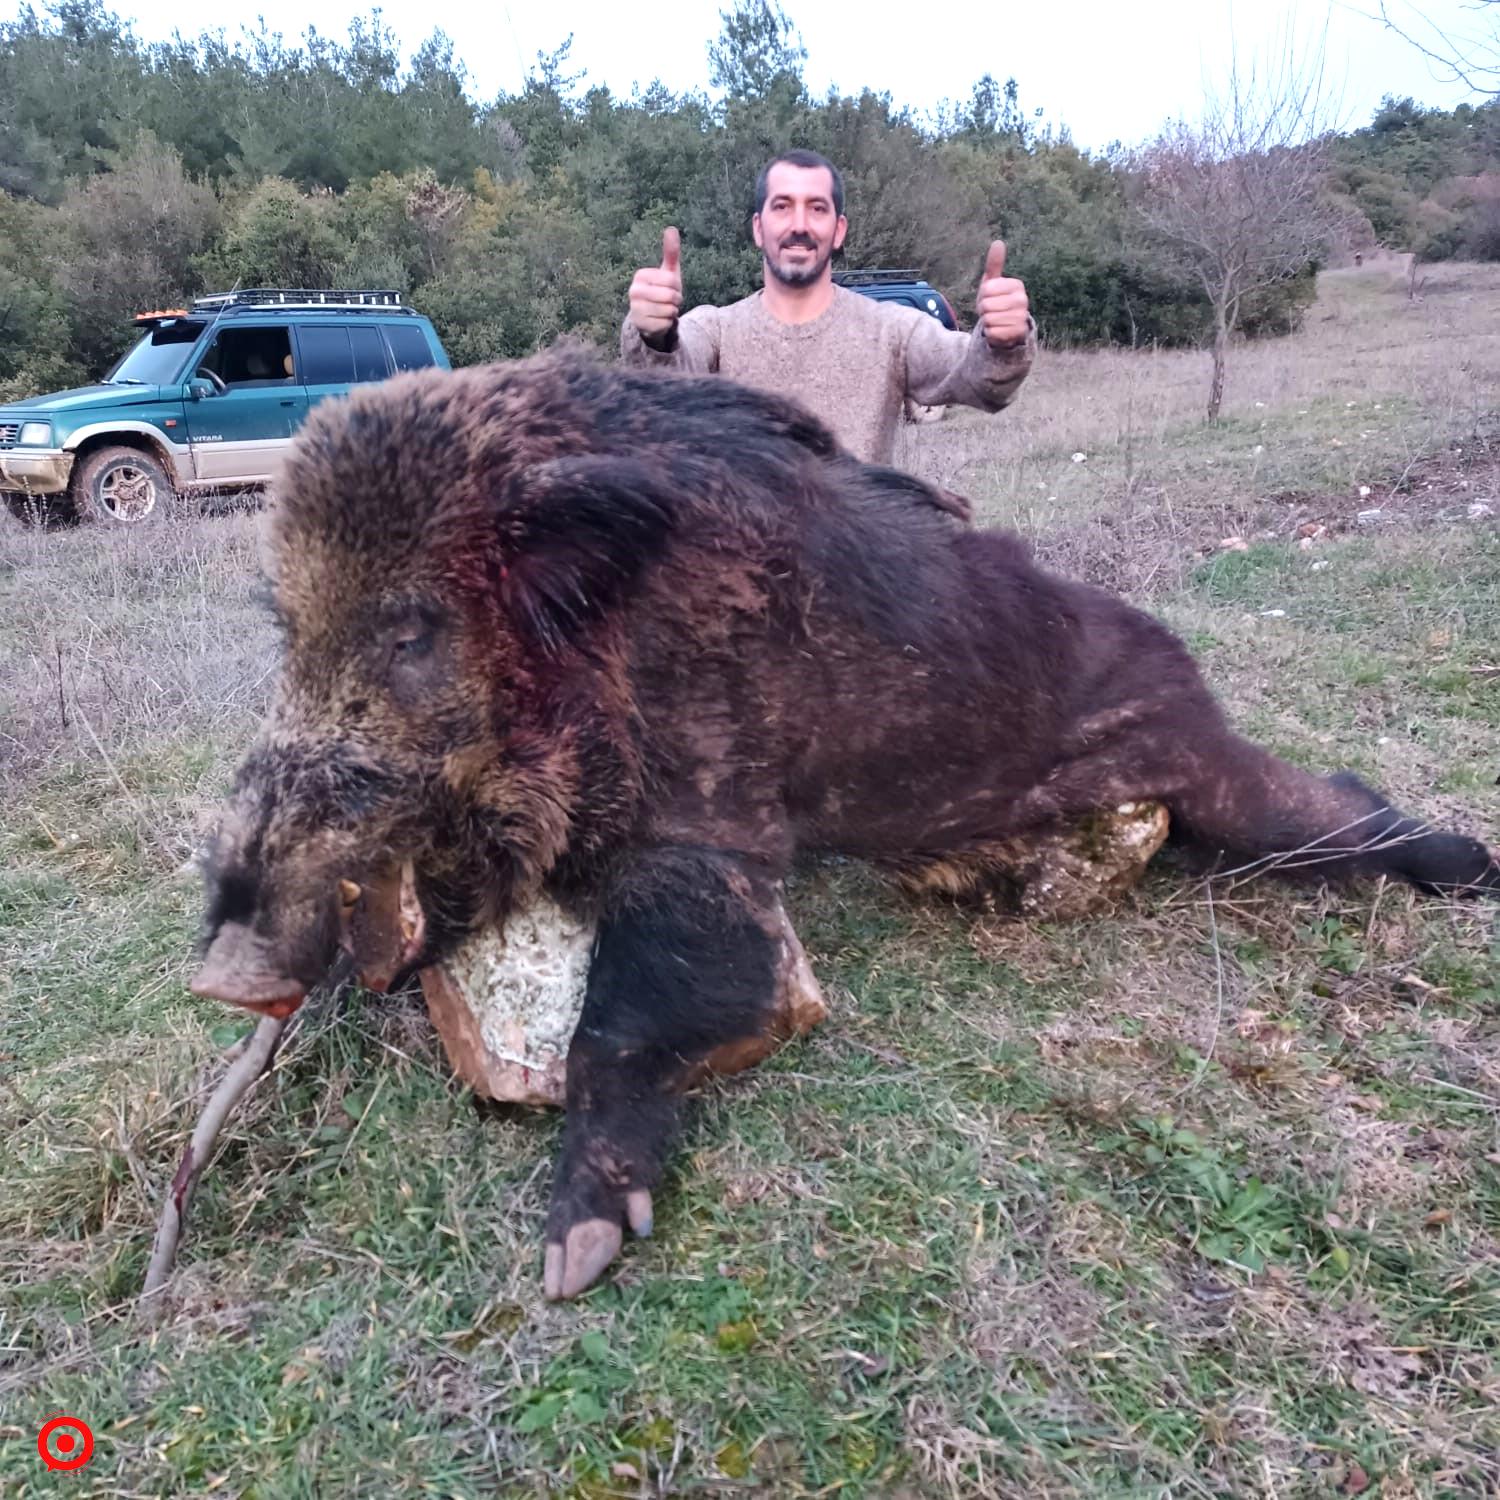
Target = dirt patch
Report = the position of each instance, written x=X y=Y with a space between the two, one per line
x=1148 y=546
x=1461 y=482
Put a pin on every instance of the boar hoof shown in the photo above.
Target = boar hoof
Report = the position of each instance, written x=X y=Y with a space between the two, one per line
x=575 y=1262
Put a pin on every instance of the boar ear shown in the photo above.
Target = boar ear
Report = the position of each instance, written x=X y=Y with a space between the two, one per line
x=578 y=532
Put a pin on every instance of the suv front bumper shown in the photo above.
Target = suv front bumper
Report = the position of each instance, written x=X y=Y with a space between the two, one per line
x=35 y=471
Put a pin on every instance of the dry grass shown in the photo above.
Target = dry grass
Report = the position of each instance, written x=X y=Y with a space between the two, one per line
x=155 y=632
x=1201 y=1198
x=1374 y=391
x=1437 y=358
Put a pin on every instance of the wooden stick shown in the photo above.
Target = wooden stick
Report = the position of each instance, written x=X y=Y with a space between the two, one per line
x=251 y=1063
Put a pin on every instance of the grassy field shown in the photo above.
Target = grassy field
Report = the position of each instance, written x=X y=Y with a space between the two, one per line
x=1201 y=1198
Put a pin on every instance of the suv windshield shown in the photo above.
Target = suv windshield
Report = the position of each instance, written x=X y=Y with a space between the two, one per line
x=159 y=357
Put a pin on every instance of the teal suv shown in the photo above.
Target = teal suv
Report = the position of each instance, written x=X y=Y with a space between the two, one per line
x=208 y=399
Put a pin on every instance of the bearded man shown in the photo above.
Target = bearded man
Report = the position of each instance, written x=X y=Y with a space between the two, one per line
x=850 y=360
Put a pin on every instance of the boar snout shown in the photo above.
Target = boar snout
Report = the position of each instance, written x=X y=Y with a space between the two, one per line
x=271 y=928
x=299 y=869
x=267 y=954
x=240 y=968
x=380 y=926
x=271 y=937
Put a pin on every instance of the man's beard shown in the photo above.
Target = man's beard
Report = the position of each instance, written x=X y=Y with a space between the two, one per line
x=803 y=275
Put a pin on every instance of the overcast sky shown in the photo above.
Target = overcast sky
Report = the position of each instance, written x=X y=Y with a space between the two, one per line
x=1108 y=70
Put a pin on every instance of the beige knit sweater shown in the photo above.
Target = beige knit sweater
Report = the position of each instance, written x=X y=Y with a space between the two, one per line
x=852 y=367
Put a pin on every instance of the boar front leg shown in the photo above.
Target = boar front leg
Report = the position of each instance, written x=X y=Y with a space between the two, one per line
x=684 y=962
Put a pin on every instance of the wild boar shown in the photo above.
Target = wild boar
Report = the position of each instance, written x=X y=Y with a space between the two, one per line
x=629 y=642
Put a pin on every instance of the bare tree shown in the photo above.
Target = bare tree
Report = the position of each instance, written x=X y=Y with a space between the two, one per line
x=1239 y=199
x=1469 y=55
x=438 y=213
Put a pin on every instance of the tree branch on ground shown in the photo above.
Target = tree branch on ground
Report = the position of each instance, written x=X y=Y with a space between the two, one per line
x=246 y=1068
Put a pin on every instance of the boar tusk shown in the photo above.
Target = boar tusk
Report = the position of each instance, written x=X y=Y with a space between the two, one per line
x=349 y=893
x=413 y=920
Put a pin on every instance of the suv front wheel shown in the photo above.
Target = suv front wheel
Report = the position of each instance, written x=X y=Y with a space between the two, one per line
x=122 y=485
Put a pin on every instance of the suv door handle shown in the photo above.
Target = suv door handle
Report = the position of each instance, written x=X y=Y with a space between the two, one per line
x=288 y=403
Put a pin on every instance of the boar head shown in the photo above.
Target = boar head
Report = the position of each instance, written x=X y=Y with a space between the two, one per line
x=445 y=554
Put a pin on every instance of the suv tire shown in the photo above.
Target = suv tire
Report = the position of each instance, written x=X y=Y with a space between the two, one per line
x=122 y=486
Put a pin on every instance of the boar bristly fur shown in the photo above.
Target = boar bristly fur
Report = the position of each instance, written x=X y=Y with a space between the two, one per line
x=631 y=641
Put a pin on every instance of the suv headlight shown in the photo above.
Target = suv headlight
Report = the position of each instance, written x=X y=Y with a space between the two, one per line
x=35 y=434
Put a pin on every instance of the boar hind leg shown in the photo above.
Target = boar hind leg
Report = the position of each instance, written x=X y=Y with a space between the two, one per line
x=685 y=961
x=1252 y=810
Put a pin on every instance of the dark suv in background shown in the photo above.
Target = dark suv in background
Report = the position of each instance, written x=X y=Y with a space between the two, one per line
x=907 y=287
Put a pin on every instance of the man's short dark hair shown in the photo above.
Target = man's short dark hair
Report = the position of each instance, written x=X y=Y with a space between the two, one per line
x=800 y=158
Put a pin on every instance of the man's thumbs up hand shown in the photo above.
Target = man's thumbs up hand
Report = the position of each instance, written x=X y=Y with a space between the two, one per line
x=1002 y=307
x=656 y=291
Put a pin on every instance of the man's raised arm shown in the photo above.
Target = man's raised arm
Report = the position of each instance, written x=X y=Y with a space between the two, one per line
x=655 y=331
x=984 y=368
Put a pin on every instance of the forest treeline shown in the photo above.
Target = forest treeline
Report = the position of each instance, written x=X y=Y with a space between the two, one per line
x=135 y=174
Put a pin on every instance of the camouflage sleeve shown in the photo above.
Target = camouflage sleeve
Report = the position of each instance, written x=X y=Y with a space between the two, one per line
x=948 y=368
x=693 y=345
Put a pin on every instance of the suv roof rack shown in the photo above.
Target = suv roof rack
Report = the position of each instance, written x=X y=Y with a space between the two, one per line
x=870 y=278
x=258 y=297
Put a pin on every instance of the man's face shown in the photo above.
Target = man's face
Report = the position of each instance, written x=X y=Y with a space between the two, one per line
x=798 y=228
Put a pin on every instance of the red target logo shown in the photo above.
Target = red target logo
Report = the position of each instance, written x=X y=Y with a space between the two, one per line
x=65 y=1443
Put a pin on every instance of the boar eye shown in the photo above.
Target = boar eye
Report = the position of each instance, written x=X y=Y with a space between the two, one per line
x=412 y=647
x=409 y=643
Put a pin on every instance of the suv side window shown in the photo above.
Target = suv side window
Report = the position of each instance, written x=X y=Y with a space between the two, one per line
x=250 y=357
x=370 y=361
x=408 y=346
x=326 y=356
